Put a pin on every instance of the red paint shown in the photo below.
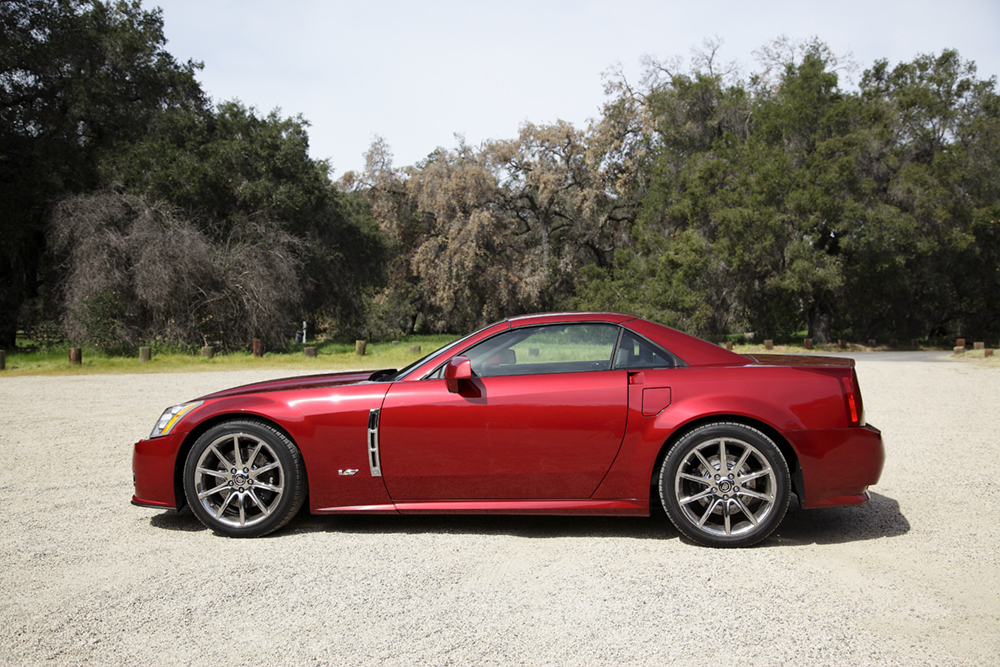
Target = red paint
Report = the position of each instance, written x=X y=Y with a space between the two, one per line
x=570 y=443
x=553 y=507
x=655 y=400
x=539 y=436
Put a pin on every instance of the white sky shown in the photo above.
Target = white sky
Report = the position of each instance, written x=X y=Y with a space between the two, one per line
x=417 y=72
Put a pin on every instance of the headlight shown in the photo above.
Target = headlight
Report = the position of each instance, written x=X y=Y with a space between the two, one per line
x=171 y=416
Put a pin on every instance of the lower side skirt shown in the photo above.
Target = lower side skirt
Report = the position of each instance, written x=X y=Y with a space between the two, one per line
x=630 y=507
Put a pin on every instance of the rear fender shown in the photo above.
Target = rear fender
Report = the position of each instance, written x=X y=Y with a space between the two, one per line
x=647 y=439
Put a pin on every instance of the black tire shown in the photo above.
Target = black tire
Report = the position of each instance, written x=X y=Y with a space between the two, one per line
x=244 y=479
x=735 y=507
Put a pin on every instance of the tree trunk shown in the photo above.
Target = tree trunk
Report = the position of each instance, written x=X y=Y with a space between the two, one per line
x=11 y=298
x=820 y=323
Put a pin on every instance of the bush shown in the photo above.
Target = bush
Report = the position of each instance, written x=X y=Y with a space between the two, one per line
x=137 y=272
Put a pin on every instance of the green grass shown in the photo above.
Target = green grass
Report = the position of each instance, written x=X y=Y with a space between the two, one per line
x=30 y=359
x=330 y=357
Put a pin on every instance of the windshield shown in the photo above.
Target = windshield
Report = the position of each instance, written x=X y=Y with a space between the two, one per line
x=400 y=374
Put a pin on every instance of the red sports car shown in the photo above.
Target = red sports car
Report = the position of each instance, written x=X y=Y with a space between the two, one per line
x=572 y=413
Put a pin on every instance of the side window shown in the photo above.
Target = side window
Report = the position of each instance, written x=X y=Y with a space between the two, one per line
x=561 y=348
x=636 y=353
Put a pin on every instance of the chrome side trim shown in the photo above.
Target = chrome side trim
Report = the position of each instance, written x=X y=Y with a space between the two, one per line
x=373 y=456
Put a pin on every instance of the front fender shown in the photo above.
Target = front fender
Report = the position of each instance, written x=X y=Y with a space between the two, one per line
x=328 y=425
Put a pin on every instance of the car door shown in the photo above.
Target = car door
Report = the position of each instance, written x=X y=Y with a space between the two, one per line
x=542 y=418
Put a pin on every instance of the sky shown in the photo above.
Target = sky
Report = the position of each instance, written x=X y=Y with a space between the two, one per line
x=416 y=73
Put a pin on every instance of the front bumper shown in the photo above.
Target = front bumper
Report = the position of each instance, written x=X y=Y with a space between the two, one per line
x=155 y=472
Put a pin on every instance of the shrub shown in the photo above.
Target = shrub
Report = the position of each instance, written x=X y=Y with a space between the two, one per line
x=139 y=272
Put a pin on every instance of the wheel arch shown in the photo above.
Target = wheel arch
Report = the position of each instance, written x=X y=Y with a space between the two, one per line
x=202 y=428
x=791 y=458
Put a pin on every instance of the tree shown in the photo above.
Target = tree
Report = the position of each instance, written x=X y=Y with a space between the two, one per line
x=138 y=272
x=229 y=167
x=502 y=229
x=558 y=198
x=76 y=76
x=454 y=242
x=786 y=202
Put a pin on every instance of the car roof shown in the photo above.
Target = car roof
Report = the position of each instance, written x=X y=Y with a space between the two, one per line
x=553 y=318
x=692 y=350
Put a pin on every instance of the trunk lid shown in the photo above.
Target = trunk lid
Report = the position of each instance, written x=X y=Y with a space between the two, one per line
x=806 y=360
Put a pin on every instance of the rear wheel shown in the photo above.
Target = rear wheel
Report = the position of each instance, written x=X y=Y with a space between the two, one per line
x=725 y=485
x=244 y=479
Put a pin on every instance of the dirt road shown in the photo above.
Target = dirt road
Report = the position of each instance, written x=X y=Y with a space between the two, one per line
x=85 y=578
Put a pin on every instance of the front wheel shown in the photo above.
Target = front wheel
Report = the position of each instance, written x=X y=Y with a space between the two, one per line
x=244 y=479
x=725 y=485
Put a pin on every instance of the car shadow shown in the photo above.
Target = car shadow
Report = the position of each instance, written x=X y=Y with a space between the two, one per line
x=184 y=521
x=879 y=518
x=529 y=526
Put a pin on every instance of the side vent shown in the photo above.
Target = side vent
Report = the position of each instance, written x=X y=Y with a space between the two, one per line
x=373 y=460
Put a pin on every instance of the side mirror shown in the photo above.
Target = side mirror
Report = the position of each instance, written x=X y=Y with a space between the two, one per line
x=459 y=368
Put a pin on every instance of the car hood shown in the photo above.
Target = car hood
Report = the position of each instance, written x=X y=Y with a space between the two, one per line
x=301 y=382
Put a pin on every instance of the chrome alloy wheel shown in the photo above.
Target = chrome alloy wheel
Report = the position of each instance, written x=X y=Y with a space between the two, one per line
x=725 y=486
x=239 y=480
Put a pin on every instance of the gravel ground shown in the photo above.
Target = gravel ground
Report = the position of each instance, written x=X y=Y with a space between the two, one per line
x=912 y=578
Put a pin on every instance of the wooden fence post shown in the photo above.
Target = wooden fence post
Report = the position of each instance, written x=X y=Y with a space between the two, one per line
x=768 y=344
x=258 y=348
x=842 y=344
x=309 y=351
x=144 y=354
x=208 y=351
x=414 y=349
x=3 y=360
x=359 y=347
x=75 y=356
x=808 y=343
x=729 y=345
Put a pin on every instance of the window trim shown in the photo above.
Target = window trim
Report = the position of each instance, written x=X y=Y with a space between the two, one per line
x=677 y=361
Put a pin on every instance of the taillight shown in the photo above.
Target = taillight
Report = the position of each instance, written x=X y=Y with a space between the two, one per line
x=852 y=409
x=852 y=396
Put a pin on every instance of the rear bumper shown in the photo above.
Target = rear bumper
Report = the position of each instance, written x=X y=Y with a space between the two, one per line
x=838 y=465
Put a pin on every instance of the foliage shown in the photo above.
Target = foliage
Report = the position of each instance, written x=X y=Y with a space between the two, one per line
x=712 y=200
x=230 y=167
x=331 y=357
x=76 y=76
x=138 y=272
x=92 y=101
x=849 y=213
x=481 y=234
